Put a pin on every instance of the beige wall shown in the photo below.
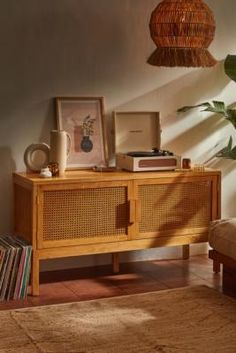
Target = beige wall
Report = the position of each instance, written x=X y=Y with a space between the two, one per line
x=99 y=47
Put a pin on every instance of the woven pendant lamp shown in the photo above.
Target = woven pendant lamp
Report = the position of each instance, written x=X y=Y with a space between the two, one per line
x=182 y=31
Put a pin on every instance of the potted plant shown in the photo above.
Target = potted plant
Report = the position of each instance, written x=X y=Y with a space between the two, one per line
x=220 y=108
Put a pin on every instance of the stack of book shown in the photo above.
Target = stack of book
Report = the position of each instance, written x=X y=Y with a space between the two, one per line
x=15 y=265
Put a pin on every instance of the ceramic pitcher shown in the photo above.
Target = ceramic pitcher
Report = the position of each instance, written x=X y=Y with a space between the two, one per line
x=60 y=144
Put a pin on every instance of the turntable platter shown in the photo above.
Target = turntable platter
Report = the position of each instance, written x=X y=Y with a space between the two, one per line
x=152 y=153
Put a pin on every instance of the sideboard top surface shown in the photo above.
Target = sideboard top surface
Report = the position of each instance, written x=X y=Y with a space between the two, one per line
x=93 y=176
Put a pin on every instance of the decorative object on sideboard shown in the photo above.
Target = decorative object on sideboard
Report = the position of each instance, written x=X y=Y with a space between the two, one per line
x=182 y=31
x=60 y=146
x=186 y=163
x=36 y=156
x=57 y=152
x=54 y=168
x=45 y=173
x=138 y=140
x=83 y=119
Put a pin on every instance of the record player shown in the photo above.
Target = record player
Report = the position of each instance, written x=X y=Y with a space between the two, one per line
x=137 y=143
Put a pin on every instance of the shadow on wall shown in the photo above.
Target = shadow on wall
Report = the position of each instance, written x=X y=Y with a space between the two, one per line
x=178 y=133
x=193 y=136
x=189 y=89
x=6 y=208
x=65 y=41
x=225 y=165
x=30 y=130
x=49 y=122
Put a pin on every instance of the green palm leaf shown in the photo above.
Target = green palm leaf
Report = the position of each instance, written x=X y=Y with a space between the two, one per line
x=232 y=153
x=189 y=107
x=219 y=106
x=226 y=150
x=216 y=107
x=231 y=116
x=230 y=66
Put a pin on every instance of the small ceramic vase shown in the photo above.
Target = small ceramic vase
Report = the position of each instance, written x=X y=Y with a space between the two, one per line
x=60 y=144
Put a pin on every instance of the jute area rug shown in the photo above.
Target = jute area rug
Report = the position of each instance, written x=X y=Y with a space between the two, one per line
x=193 y=319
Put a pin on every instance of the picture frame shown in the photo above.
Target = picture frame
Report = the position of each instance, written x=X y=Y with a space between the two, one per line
x=83 y=119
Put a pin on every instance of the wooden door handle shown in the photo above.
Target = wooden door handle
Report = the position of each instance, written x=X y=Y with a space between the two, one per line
x=134 y=211
x=131 y=211
x=138 y=211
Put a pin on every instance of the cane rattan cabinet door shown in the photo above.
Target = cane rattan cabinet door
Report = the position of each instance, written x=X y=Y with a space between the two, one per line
x=175 y=207
x=84 y=213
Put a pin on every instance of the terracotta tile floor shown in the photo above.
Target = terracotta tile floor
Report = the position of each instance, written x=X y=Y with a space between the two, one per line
x=100 y=282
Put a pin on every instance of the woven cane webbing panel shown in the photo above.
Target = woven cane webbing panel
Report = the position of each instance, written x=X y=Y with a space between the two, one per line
x=23 y=219
x=85 y=213
x=171 y=206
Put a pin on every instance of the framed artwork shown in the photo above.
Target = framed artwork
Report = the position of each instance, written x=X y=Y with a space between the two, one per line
x=83 y=119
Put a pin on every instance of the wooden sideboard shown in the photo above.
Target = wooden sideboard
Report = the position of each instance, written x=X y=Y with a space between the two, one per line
x=88 y=212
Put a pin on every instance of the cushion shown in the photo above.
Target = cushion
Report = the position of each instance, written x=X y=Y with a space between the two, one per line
x=222 y=236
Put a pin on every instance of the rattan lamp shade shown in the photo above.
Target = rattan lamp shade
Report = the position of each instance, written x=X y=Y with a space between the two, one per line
x=182 y=31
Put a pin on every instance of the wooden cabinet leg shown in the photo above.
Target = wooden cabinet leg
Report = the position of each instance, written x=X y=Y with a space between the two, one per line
x=185 y=252
x=115 y=262
x=35 y=275
x=216 y=266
